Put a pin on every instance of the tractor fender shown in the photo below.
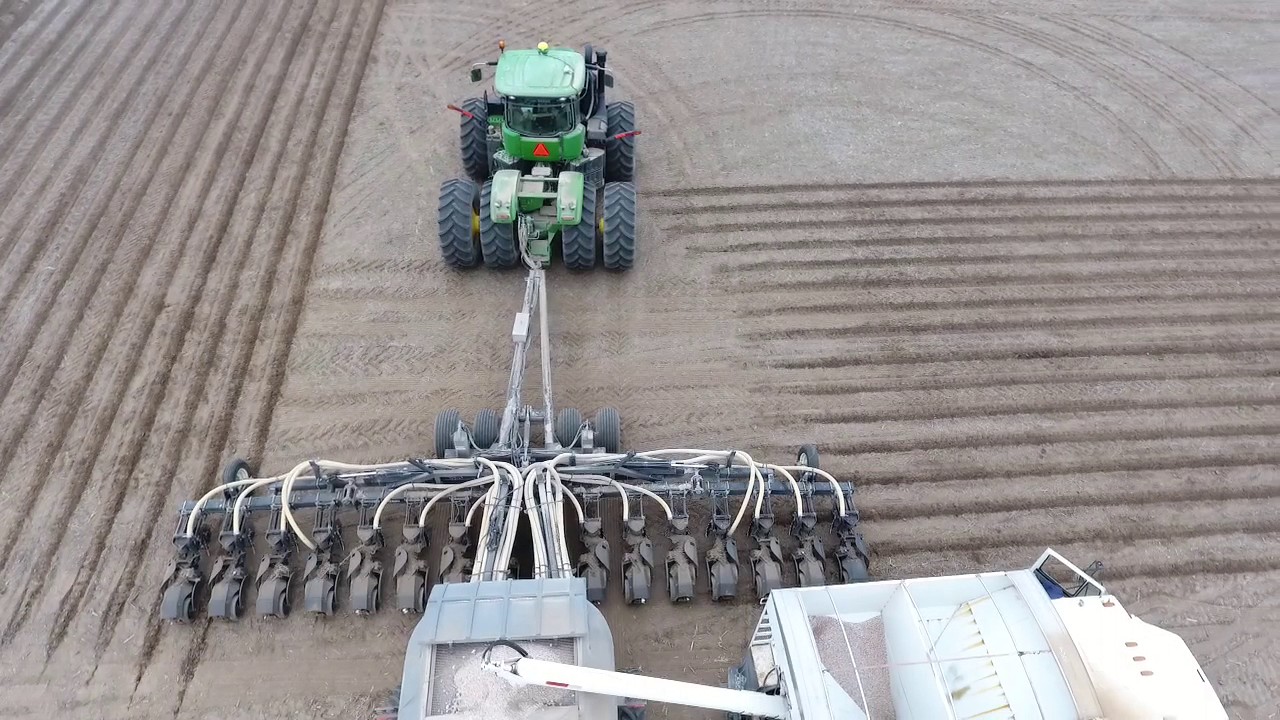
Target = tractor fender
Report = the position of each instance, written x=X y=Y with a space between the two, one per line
x=569 y=198
x=503 y=189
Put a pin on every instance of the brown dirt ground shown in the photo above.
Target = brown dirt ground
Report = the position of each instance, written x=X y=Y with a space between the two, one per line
x=1013 y=265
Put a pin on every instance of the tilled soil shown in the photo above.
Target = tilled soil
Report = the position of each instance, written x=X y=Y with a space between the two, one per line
x=1012 y=265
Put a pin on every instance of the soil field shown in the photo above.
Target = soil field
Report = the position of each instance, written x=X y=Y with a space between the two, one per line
x=1015 y=266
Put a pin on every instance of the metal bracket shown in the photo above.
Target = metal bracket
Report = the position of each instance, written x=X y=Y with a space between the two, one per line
x=766 y=556
x=593 y=563
x=274 y=573
x=722 y=556
x=637 y=563
x=364 y=569
x=809 y=551
x=682 y=558
x=455 y=566
x=178 y=602
x=230 y=570
x=320 y=590
x=851 y=554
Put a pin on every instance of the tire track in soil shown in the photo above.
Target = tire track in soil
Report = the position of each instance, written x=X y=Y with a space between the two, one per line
x=16 y=179
x=34 y=303
x=1188 y=83
x=39 y=61
x=990 y=184
x=75 y=490
x=300 y=270
x=1127 y=131
x=28 y=413
x=221 y=423
x=19 y=14
x=195 y=379
x=731 y=245
x=305 y=260
x=47 y=299
x=17 y=231
x=1118 y=77
x=216 y=439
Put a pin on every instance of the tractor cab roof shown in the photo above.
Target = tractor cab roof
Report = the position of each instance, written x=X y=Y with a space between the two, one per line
x=557 y=73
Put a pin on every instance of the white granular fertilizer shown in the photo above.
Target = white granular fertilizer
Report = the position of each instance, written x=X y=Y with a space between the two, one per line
x=868 y=663
x=467 y=692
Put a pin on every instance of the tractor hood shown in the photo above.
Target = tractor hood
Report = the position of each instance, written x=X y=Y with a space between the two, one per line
x=559 y=73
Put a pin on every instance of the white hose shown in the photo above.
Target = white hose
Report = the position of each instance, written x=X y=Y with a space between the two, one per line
x=835 y=484
x=449 y=490
x=601 y=479
x=195 y=511
x=386 y=499
x=235 y=510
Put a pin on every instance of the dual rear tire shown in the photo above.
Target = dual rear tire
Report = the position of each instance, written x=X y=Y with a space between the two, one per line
x=606 y=232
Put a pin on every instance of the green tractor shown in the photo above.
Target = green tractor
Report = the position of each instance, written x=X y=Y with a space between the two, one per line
x=549 y=161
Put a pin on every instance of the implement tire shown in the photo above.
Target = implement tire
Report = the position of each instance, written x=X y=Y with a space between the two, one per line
x=578 y=242
x=497 y=240
x=473 y=139
x=446 y=423
x=608 y=428
x=485 y=431
x=459 y=213
x=620 y=155
x=568 y=423
x=619 y=242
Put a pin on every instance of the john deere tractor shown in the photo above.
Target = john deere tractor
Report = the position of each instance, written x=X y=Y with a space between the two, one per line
x=550 y=162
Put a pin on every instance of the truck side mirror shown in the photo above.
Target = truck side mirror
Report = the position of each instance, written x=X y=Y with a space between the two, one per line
x=476 y=75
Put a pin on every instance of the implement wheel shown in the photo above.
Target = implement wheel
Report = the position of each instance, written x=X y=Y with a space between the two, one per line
x=808 y=456
x=619 y=225
x=446 y=424
x=485 y=432
x=473 y=139
x=459 y=223
x=620 y=155
x=578 y=242
x=497 y=240
x=568 y=423
x=608 y=427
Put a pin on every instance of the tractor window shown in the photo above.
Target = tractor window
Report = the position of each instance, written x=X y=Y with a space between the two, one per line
x=541 y=118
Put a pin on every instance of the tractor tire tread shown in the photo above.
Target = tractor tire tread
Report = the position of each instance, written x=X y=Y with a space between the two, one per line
x=619 y=225
x=474 y=141
x=620 y=155
x=457 y=204
x=497 y=240
x=578 y=242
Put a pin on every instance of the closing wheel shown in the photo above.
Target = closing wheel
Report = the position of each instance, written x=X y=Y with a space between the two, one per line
x=446 y=424
x=608 y=428
x=568 y=423
x=485 y=432
x=578 y=242
x=459 y=223
x=473 y=138
x=497 y=240
x=808 y=455
x=620 y=154
x=619 y=226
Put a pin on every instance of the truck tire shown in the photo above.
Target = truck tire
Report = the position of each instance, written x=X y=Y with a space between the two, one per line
x=474 y=141
x=620 y=155
x=578 y=242
x=459 y=241
x=485 y=432
x=608 y=429
x=619 y=242
x=497 y=240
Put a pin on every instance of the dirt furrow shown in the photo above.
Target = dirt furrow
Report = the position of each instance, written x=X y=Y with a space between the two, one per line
x=212 y=138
